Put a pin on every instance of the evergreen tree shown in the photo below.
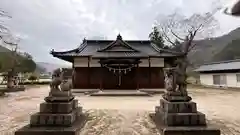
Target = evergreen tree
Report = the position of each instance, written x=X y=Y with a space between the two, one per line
x=156 y=38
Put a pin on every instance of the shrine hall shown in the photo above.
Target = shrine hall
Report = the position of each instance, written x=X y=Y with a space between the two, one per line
x=117 y=64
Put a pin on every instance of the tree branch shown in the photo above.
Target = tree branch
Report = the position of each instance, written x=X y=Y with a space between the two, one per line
x=191 y=47
x=166 y=37
x=174 y=34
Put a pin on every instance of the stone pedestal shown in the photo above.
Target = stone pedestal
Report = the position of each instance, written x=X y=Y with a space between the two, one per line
x=176 y=96
x=59 y=115
x=180 y=117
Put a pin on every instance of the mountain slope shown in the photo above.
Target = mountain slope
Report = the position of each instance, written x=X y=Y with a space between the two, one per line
x=230 y=52
x=49 y=67
x=24 y=62
x=206 y=50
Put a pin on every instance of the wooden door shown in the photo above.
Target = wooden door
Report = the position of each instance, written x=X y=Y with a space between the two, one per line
x=157 y=78
x=128 y=80
x=109 y=79
x=81 y=78
x=124 y=82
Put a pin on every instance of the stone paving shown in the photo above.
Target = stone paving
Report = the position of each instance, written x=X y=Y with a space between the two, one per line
x=122 y=115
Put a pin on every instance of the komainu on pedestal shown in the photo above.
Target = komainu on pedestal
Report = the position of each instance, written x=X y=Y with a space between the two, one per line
x=177 y=114
x=59 y=114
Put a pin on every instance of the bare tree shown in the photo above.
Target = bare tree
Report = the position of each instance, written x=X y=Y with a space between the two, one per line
x=11 y=42
x=4 y=30
x=180 y=31
x=14 y=62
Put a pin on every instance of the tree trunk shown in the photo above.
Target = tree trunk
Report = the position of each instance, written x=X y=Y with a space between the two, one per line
x=182 y=64
x=10 y=82
x=10 y=79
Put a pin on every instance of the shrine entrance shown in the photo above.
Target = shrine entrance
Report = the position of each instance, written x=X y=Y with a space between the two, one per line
x=120 y=73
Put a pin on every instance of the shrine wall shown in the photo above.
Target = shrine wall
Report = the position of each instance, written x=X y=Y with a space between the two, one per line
x=154 y=62
x=83 y=62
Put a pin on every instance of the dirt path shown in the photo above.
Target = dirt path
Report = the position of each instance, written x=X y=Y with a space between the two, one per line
x=115 y=122
x=122 y=115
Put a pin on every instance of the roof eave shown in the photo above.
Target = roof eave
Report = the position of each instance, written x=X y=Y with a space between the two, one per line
x=76 y=50
x=65 y=58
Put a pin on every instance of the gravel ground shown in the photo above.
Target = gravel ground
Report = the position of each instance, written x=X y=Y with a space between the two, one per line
x=122 y=115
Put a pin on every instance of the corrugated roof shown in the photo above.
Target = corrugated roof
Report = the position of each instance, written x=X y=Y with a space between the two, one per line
x=220 y=66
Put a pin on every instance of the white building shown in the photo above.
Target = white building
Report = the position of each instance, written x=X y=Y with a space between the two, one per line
x=222 y=74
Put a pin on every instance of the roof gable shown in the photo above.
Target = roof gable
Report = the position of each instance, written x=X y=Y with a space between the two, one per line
x=118 y=46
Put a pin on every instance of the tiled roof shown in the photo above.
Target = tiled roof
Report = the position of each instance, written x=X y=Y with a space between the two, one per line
x=220 y=66
x=103 y=48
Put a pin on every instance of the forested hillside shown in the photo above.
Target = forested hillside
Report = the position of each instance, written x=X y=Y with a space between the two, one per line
x=24 y=61
x=216 y=49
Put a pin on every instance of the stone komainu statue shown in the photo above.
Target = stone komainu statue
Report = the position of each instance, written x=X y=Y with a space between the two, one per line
x=170 y=79
x=181 y=76
x=57 y=78
x=66 y=85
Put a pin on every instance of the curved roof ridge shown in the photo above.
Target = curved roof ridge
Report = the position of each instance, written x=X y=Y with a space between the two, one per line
x=119 y=39
x=78 y=49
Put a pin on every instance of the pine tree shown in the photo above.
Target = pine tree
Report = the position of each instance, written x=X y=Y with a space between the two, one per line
x=156 y=38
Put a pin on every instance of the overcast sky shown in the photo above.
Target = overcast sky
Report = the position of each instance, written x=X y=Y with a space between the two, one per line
x=62 y=24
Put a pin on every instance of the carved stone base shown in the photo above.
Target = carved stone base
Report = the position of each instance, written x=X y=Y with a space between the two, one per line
x=176 y=97
x=58 y=116
x=179 y=114
x=183 y=130
x=181 y=118
x=177 y=107
x=59 y=107
x=49 y=119
x=59 y=93
x=74 y=129
x=59 y=98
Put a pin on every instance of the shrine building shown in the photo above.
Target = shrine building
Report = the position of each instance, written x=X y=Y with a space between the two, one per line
x=117 y=64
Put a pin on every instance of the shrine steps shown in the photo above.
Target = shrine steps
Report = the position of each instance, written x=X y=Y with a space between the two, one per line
x=84 y=90
x=153 y=91
x=120 y=93
x=90 y=91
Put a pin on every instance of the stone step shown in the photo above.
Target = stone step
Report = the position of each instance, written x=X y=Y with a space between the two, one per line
x=59 y=107
x=177 y=107
x=120 y=93
x=182 y=119
x=49 y=119
x=86 y=91
x=74 y=129
x=182 y=130
x=153 y=91
x=190 y=131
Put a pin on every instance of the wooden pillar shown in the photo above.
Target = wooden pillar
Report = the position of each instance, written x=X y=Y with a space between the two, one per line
x=73 y=77
x=149 y=72
x=137 y=76
x=89 y=72
x=101 y=78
